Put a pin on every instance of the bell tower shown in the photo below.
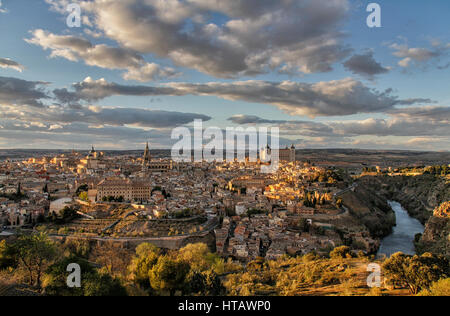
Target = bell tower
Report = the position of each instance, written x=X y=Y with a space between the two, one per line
x=147 y=157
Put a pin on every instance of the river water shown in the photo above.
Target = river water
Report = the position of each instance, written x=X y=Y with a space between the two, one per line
x=402 y=237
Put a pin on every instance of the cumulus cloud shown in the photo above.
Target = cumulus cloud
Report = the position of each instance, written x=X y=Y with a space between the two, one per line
x=393 y=127
x=29 y=115
x=57 y=126
x=8 y=63
x=433 y=113
x=420 y=56
x=101 y=116
x=257 y=36
x=416 y=122
x=15 y=91
x=365 y=65
x=19 y=134
x=74 y=48
x=329 y=98
x=94 y=90
x=288 y=127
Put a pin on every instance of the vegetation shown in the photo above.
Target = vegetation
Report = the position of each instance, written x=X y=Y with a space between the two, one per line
x=7 y=258
x=327 y=176
x=93 y=282
x=416 y=272
x=111 y=199
x=439 y=288
x=67 y=215
x=32 y=253
x=82 y=188
x=194 y=270
x=84 y=196
x=342 y=252
x=17 y=196
x=191 y=270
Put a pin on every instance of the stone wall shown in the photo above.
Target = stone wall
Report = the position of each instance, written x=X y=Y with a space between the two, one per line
x=169 y=243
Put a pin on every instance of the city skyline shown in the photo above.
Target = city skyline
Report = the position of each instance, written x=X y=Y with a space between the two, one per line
x=136 y=69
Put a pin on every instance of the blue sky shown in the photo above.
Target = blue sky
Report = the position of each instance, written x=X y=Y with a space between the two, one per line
x=350 y=86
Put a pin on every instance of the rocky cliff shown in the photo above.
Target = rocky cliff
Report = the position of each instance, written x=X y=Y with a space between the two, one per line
x=425 y=198
x=419 y=195
x=370 y=209
x=436 y=237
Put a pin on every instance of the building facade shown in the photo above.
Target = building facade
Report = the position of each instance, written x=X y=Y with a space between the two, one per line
x=285 y=155
x=149 y=165
x=130 y=190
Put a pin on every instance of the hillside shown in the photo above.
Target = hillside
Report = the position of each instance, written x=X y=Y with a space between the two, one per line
x=370 y=210
x=436 y=238
x=419 y=195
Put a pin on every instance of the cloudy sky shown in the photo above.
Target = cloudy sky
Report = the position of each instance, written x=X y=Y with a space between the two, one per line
x=136 y=69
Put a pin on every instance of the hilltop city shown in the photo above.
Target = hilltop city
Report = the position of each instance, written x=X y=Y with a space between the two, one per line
x=231 y=206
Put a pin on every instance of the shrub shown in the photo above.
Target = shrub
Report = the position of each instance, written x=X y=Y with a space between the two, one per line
x=340 y=252
x=439 y=288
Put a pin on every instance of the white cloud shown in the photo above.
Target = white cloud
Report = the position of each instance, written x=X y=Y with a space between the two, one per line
x=2 y=10
x=419 y=56
x=8 y=63
x=257 y=36
x=419 y=122
x=327 y=98
x=74 y=48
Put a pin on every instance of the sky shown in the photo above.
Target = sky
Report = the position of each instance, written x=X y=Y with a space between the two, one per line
x=136 y=69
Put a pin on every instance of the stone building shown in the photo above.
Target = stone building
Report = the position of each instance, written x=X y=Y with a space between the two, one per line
x=285 y=155
x=92 y=162
x=149 y=165
x=130 y=190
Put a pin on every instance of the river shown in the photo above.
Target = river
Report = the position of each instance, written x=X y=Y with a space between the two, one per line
x=402 y=237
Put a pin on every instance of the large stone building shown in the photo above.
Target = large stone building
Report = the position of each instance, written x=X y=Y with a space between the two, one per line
x=258 y=182
x=285 y=155
x=149 y=165
x=130 y=190
x=92 y=162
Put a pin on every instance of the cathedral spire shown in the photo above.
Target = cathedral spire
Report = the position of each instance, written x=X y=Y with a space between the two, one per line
x=146 y=155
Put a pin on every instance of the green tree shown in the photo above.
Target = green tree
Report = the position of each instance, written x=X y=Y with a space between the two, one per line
x=84 y=196
x=68 y=213
x=169 y=275
x=146 y=258
x=93 y=283
x=34 y=253
x=416 y=272
x=7 y=259
x=82 y=188
x=205 y=283
x=198 y=257
x=80 y=248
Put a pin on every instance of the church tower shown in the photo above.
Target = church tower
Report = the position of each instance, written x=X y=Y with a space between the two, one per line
x=292 y=155
x=147 y=157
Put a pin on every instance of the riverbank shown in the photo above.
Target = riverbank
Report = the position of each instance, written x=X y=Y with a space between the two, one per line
x=420 y=196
